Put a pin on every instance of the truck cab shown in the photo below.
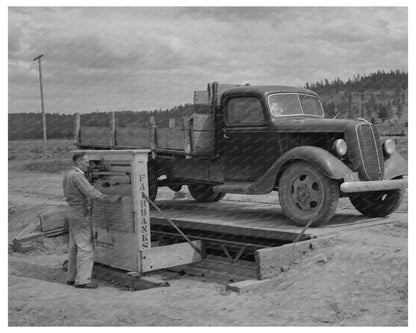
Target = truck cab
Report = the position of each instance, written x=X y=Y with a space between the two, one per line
x=252 y=134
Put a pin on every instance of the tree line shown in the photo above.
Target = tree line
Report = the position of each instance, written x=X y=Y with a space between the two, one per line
x=377 y=97
x=24 y=126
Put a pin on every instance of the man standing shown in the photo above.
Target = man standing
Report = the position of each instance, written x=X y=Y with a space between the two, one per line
x=79 y=194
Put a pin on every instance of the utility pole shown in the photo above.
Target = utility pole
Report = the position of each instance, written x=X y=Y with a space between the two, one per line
x=42 y=105
x=359 y=103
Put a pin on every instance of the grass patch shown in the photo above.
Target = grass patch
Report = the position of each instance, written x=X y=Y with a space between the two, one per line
x=33 y=149
x=52 y=165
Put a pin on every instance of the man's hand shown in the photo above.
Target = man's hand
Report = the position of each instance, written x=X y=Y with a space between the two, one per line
x=114 y=198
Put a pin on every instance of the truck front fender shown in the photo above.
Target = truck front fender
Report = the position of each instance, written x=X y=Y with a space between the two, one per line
x=321 y=159
x=395 y=166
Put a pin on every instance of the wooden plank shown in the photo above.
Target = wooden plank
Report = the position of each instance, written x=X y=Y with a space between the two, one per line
x=53 y=220
x=131 y=281
x=23 y=248
x=247 y=285
x=77 y=128
x=244 y=270
x=95 y=136
x=57 y=232
x=216 y=90
x=154 y=281
x=201 y=97
x=212 y=260
x=272 y=261
x=29 y=237
x=112 y=155
x=171 y=151
x=170 y=138
x=169 y=256
x=215 y=273
x=137 y=124
x=133 y=137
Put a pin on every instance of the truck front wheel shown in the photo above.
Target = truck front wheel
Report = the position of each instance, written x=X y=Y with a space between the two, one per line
x=305 y=193
x=204 y=193
x=377 y=204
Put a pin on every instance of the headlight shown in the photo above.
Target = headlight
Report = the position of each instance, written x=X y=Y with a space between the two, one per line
x=340 y=147
x=389 y=147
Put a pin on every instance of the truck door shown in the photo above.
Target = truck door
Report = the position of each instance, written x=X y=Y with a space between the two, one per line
x=245 y=135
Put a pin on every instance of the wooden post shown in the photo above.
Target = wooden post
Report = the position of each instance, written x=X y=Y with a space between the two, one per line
x=187 y=138
x=77 y=129
x=45 y=149
x=171 y=122
x=153 y=142
x=209 y=89
x=214 y=96
x=113 y=130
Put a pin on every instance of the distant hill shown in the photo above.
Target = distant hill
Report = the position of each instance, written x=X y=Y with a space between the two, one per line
x=384 y=100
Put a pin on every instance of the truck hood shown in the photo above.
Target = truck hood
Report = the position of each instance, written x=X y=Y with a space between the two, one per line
x=312 y=124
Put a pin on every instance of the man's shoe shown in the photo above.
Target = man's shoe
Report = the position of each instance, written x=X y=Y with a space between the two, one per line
x=71 y=283
x=87 y=286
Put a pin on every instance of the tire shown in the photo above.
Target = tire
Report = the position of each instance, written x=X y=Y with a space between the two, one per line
x=377 y=204
x=152 y=182
x=204 y=193
x=305 y=193
x=175 y=188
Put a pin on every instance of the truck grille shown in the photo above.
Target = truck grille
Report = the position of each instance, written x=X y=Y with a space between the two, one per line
x=366 y=152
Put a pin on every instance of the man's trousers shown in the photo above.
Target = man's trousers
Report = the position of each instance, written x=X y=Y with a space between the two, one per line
x=81 y=246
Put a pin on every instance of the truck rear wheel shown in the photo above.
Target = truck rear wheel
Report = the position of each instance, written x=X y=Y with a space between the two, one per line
x=175 y=188
x=152 y=182
x=377 y=204
x=204 y=193
x=305 y=193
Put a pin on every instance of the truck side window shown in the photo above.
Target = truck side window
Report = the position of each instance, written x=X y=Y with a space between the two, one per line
x=244 y=111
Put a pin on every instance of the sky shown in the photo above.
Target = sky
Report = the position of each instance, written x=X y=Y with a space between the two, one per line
x=144 y=58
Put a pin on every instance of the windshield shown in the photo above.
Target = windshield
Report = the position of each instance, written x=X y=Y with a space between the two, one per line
x=294 y=104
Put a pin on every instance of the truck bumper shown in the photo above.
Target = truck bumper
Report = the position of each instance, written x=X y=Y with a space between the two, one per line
x=370 y=186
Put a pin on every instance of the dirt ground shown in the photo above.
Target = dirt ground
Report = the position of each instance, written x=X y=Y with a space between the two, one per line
x=360 y=278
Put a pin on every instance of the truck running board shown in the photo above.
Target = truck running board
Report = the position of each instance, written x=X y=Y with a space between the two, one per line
x=235 y=187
